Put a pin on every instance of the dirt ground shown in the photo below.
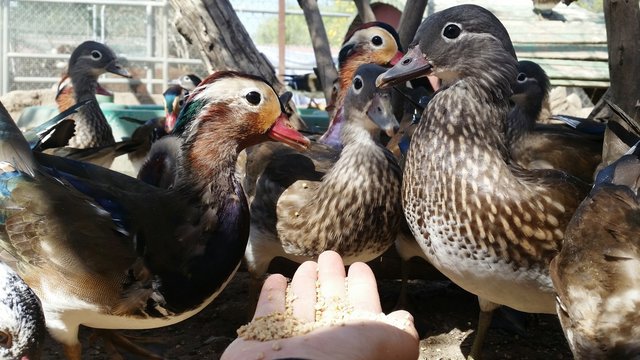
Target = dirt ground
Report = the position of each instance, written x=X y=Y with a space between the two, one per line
x=445 y=315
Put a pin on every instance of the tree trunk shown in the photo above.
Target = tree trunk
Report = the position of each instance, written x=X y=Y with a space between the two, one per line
x=622 y=20
x=410 y=21
x=364 y=10
x=215 y=29
x=327 y=72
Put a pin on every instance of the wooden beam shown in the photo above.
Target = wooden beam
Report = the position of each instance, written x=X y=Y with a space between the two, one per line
x=327 y=72
x=364 y=10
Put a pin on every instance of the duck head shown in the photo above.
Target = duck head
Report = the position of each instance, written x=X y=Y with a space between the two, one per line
x=373 y=42
x=247 y=105
x=467 y=32
x=173 y=99
x=22 y=326
x=532 y=84
x=373 y=104
x=189 y=81
x=93 y=59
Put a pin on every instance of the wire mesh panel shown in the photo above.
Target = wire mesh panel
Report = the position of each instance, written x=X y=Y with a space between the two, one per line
x=41 y=34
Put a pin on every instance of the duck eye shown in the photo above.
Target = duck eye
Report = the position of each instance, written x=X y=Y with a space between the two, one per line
x=522 y=77
x=5 y=340
x=96 y=55
x=451 y=31
x=253 y=97
x=357 y=83
x=376 y=40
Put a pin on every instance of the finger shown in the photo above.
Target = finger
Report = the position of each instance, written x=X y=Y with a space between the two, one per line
x=331 y=276
x=406 y=319
x=362 y=291
x=271 y=296
x=303 y=290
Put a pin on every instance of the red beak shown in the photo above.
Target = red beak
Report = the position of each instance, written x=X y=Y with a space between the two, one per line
x=396 y=58
x=283 y=131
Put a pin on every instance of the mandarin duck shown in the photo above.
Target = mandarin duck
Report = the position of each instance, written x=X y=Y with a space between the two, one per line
x=532 y=145
x=108 y=251
x=88 y=61
x=370 y=43
x=488 y=225
x=66 y=96
x=22 y=327
x=189 y=82
x=327 y=199
x=597 y=273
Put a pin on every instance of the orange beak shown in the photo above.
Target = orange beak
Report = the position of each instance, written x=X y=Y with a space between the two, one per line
x=283 y=131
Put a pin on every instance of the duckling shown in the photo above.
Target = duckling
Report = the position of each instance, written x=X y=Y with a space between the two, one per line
x=88 y=61
x=108 y=251
x=547 y=146
x=347 y=201
x=489 y=226
x=22 y=326
x=597 y=273
x=370 y=43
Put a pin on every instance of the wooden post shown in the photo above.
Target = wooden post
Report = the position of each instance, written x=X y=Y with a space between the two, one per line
x=213 y=27
x=282 y=32
x=622 y=20
x=410 y=21
x=365 y=12
x=326 y=69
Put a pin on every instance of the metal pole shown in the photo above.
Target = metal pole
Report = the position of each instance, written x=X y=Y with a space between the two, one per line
x=281 y=39
x=165 y=45
x=150 y=67
x=4 y=59
x=102 y=23
x=94 y=11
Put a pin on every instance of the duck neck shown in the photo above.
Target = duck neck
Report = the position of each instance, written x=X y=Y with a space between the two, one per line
x=352 y=133
x=84 y=85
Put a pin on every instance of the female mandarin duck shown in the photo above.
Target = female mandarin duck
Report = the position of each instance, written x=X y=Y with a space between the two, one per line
x=370 y=43
x=22 y=326
x=347 y=201
x=597 y=273
x=489 y=226
x=546 y=146
x=118 y=253
x=88 y=61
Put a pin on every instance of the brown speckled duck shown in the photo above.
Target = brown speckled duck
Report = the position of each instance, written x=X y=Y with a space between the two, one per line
x=107 y=251
x=370 y=43
x=547 y=146
x=347 y=201
x=489 y=226
x=597 y=273
x=88 y=61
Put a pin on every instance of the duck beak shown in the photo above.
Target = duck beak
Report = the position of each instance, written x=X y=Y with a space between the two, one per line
x=170 y=122
x=283 y=131
x=412 y=65
x=381 y=113
x=115 y=68
x=399 y=55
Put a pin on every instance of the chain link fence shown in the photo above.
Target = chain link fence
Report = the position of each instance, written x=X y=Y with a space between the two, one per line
x=37 y=37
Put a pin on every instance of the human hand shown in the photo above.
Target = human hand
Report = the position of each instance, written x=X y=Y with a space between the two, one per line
x=365 y=334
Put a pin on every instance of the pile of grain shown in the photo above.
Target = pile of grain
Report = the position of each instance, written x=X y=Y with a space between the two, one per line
x=284 y=325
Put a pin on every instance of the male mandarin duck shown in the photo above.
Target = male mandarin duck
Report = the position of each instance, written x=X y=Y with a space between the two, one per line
x=547 y=146
x=597 y=273
x=173 y=99
x=326 y=199
x=22 y=327
x=108 y=251
x=370 y=43
x=489 y=226
x=88 y=61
